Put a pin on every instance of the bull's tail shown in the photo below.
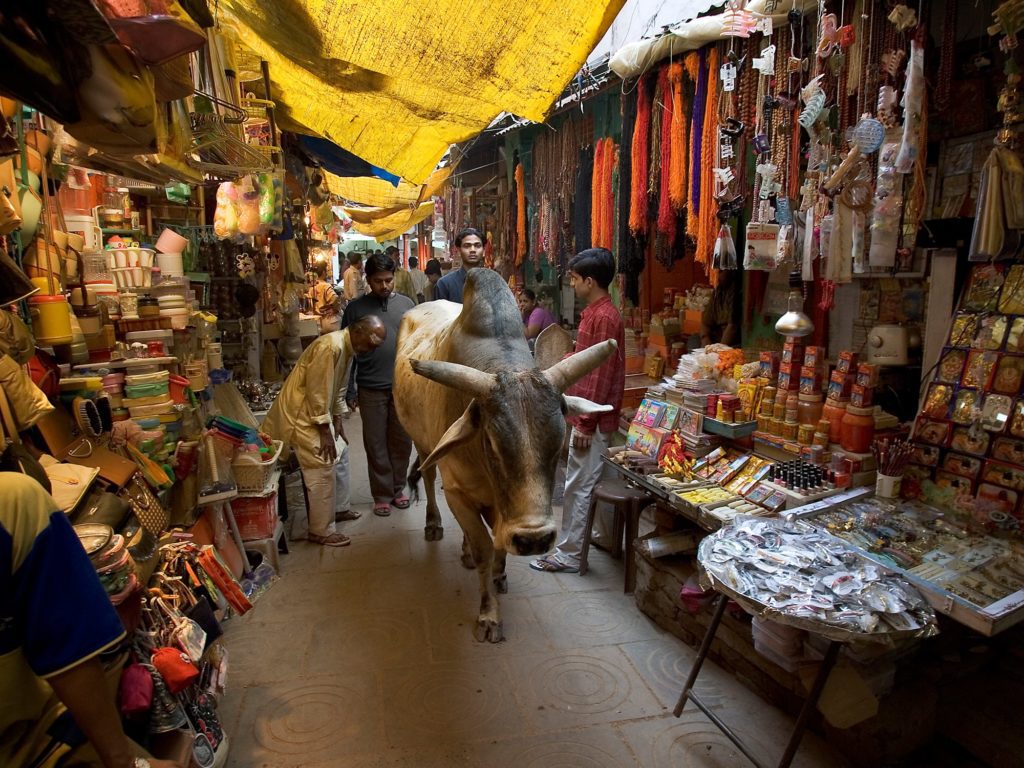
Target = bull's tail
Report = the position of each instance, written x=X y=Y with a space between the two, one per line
x=414 y=480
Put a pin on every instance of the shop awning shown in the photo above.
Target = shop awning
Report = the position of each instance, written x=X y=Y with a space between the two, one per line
x=378 y=193
x=397 y=83
x=388 y=223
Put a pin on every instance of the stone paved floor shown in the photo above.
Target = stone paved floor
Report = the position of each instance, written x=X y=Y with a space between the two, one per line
x=363 y=657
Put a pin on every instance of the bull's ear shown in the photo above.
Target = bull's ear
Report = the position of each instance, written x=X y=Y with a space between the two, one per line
x=464 y=428
x=580 y=406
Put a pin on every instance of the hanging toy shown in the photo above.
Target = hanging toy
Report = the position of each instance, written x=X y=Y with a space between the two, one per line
x=248 y=207
x=903 y=17
x=737 y=21
x=865 y=138
x=765 y=63
x=887 y=106
x=266 y=199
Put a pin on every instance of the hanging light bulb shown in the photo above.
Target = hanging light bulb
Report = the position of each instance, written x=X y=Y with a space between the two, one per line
x=795 y=322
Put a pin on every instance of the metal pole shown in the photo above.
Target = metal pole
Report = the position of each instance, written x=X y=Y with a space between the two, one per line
x=265 y=69
x=810 y=704
x=702 y=654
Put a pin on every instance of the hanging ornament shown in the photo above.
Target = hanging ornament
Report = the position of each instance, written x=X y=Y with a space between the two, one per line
x=727 y=74
x=765 y=63
x=828 y=43
x=903 y=17
x=814 y=100
x=725 y=249
x=737 y=21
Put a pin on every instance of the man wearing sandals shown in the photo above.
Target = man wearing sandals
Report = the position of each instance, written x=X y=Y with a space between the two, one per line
x=387 y=444
x=590 y=272
x=307 y=415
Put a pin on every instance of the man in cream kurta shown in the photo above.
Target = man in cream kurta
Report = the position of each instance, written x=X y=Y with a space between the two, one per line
x=307 y=416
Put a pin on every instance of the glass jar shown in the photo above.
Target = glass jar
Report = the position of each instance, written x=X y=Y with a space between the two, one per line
x=148 y=307
x=789 y=430
x=858 y=429
x=833 y=411
x=805 y=434
x=809 y=409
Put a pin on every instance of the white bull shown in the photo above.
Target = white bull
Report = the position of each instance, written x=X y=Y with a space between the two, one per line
x=469 y=394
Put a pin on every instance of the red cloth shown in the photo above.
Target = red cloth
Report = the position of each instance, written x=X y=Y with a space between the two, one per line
x=604 y=385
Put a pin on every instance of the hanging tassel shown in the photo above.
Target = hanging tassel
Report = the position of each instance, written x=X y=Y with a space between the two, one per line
x=677 y=170
x=608 y=195
x=640 y=154
x=520 y=215
x=694 y=64
x=666 y=216
x=596 y=204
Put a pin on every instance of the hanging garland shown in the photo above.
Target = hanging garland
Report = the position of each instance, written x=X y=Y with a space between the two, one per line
x=696 y=66
x=596 y=205
x=608 y=195
x=677 y=167
x=639 y=155
x=520 y=216
x=707 y=225
x=666 y=216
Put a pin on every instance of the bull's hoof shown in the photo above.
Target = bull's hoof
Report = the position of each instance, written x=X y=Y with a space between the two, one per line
x=433 y=533
x=501 y=584
x=467 y=561
x=488 y=631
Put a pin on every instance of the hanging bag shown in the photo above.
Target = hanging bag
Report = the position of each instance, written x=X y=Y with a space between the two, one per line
x=185 y=633
x=135 y=691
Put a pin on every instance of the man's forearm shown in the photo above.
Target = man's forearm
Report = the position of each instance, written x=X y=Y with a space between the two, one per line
x=83 y=690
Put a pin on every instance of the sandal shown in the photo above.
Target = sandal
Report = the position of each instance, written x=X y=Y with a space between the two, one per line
x=348 y=514
x=381 y=509
x=401 y=501
x=550 y=565
x=333 y=540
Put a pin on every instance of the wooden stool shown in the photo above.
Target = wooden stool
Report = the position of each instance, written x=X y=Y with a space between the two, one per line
x=628 y=502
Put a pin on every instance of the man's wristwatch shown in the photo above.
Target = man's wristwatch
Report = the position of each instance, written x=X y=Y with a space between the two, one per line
x=141 y=762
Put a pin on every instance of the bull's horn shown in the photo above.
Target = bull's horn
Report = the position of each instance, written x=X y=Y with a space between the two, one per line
x=460 y=377
x=566 y=373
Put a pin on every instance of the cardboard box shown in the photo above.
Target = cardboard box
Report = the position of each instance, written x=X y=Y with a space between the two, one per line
x=867 y=375
x=815 y=356
x=861 y=397
x=847 y=361
x=810 y=380
x=840 y=384
x=646 y=440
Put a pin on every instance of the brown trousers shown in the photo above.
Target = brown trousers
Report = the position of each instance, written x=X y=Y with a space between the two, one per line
x=387 y=445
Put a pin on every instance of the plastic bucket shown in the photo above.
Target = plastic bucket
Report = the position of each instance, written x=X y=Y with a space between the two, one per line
x=170 y=264
x=51 y=319
x=170 y=242
x=85 y=227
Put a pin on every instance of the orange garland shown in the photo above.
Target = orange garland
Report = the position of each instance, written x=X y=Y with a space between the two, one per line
x=596 y=201
x=520 y=216
x=677 y=165
x=641 y=155
x=608 y=194
x=707 y=225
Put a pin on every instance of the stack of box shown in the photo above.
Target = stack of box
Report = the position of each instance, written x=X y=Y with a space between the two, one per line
x=792 y=361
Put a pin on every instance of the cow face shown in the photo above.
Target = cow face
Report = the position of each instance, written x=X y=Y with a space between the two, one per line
x=513 y=430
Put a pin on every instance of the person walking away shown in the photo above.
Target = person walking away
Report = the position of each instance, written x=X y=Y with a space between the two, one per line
x=470 y=243
x=590 y=272
x=387 y=444
x=535 y=317
x=55 y=622
x=307 y=416
x=419 y=279
x=433 y=273
x=353 y=277
x=325 y=302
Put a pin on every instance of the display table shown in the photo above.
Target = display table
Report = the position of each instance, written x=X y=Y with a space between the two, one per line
x=801 y=577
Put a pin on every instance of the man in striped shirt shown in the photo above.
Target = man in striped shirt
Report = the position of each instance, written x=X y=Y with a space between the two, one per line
x=590 y=272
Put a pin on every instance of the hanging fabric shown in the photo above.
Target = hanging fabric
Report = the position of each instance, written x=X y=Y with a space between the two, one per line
x=582 y=200
x=696 y=65
x=595 y=194
x=707 y=224
x=608 y=195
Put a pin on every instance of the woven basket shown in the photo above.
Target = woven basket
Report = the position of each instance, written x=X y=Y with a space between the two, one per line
x=252 y=478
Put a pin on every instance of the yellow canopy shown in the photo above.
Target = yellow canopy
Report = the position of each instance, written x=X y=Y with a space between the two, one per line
x=398 y=82
x=378 y=193
x=388 y=223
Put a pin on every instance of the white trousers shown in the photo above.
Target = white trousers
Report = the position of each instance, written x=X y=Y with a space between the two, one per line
x=328 y=492
x=582 y=472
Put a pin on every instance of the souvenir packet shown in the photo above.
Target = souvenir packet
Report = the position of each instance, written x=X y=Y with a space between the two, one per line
x=1008 y=449
x=951 y=366
x=967 y=406
x=991 y=332
x=980 y=368
x=936 y=404
x=983 y=290
x=1009 y=375
x=932 y=432
x=961 y=464
x=996 y=412
x=967 y=440
x=1012 y=300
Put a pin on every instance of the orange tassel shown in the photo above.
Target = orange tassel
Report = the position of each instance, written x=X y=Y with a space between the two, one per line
x=520 y=216
x=707 y=226
x=608 y=195
x=595 y=195
x=677 y=164
x=641 y=155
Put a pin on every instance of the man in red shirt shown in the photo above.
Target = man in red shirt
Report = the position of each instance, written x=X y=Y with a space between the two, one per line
x=590 y=272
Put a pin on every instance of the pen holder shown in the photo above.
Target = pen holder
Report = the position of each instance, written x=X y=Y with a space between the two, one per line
x=887 y=486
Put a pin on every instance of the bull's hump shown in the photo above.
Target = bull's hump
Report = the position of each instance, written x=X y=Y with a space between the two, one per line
x=488 y=307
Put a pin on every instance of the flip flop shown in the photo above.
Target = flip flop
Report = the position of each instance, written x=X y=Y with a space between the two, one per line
x=381 y=509
x=348 y=514
x=550 y=565
x=400 y=502
x=334 y=540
